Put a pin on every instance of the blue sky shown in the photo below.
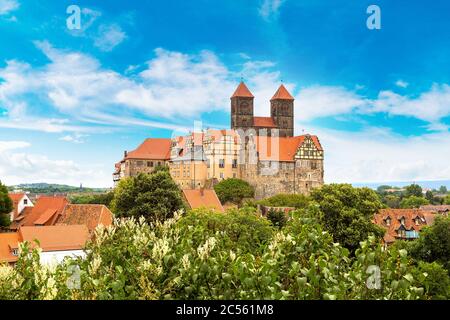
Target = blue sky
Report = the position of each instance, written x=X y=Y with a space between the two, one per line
x=71 y=101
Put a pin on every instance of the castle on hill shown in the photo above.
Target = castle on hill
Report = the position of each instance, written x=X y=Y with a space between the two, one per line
x=260 y=150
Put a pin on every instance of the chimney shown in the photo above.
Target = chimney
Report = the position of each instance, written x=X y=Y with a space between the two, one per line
x=125 y=153
x=202 y=191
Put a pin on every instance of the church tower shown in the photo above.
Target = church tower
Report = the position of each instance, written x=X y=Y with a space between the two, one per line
x=242 y=108
x=282 y=111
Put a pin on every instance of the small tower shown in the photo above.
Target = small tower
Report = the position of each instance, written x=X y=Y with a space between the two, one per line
x=282 y=111
x=242 y=108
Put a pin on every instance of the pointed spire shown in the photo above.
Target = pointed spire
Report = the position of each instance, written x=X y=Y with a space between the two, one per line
x=282 y=94
x=242 y=91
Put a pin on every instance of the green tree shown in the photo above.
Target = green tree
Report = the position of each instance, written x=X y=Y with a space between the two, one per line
x=429 y=196
x=434 y=243
x=392 y=201
x=413 y=190
x=443 y=190
x=6 y=206
x=153 y=196
x=234 y=190
x=347 y=213
x=101 y=198
x=413 y=202
x=286 y=200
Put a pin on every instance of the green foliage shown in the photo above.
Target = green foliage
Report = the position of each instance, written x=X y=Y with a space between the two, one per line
x=447 y=200
x=208 y=255
x=101 y=198
x=234 y=190
x=392 y=201
x=429 y=196
x=6 y=206
x=443 y=190
x=413 y=202
x=435 y=280
x=153 y=196
x=286 y=200
x=277 y=217
x=413 y=190
x=434 y=243
x=346 y=213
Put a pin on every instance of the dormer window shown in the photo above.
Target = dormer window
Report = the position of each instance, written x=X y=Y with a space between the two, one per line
x=15 y=252
x=388 y=221
x=25 y=201
x=417 y=221
x=402 y=220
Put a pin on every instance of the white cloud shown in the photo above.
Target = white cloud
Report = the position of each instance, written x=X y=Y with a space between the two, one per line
x=7 y=6
x=270 y=7
x=21 y=167
x=378 y=155
x=430 y=106
x=75 y=138
x=109 y=37
x=321 y=101
x=171 y=84
x=402 y=84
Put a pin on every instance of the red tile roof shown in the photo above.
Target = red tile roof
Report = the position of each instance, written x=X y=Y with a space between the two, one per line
x=265 y=122
x=286 y=149
x=56 y=238
x=282 y=94
x=395 y=215
x=242 y=91
x=203 y=198
x=7 y=242
x=90 y=215
x=45 y=212
x=433 y=208
x=15 y=198
x=152 y=149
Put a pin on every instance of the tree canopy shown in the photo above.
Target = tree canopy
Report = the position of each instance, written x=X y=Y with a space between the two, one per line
x=154 y=196
x=413 y=202
x=234 y=190
x=346 y=213
x=413 y=190
x=286 y=200
x=6 y=206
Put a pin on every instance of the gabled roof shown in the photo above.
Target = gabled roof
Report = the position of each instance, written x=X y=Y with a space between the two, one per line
x=203 y=198
x=395 y=215
x=242 y=91
x=90 y=215
x=152 y=149
x=44 y=212
x=56 y=238
x=16 y=197
x=7 y=242
x=282 y=94
x=265 y=122
x=281 y=148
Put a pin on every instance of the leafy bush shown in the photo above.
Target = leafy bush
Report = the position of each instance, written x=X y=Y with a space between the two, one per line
x=208 y=255
x=234 y=190
x=286 y=200
x=277 y=217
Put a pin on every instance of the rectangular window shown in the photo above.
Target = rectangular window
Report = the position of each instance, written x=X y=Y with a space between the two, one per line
x=234 y=165
x=221 y=163
x=221 y=175
x=150 y=164
x=25 y=201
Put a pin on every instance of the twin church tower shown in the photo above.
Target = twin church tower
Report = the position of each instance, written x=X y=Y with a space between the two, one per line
x=281 y=112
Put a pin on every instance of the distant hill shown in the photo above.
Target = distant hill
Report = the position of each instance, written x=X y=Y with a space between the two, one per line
x=424 y=184
x=47 y=188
